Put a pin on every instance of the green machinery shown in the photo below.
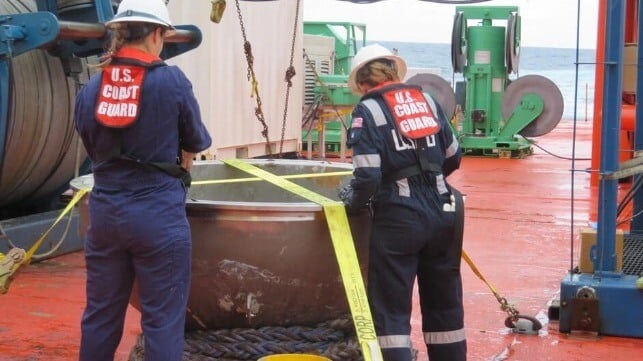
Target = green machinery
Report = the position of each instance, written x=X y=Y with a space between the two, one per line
x=330 y=100
x=498 y=112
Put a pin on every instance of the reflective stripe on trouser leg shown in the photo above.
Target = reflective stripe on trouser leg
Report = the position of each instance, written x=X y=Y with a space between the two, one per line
x=447 y=345
x=395 y=347
x=444 y=337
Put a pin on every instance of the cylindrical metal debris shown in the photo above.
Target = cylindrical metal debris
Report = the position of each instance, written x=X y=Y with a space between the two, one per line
x=263 y=256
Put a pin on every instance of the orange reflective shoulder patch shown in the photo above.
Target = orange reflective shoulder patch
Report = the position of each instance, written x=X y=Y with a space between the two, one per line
x=412 y=114
x=119 y=99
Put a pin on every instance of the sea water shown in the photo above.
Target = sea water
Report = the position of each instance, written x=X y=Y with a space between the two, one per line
x=571 y=70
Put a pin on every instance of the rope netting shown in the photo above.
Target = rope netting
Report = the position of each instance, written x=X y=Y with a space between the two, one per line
x=334 y=339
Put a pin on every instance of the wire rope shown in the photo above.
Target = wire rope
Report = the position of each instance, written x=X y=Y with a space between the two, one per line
x=574 y=131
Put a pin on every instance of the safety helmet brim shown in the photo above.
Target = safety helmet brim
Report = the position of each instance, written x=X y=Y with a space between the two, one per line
x=142 y=11
x=140 y=19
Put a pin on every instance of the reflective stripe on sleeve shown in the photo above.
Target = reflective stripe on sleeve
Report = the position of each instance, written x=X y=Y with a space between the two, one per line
x=403 y=187
x=367 y=161
x=444 y=337
x=453 y=148
x=440 y=184
x=394 y=341
x=376 y=111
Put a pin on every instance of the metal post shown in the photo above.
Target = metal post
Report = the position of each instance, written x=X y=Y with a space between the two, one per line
x=104 y=10
x=309 y=145
x=611 y=125
x=47 y=5
x=321 y=140
x=636 y=225
x=342 y=143
x=73 y=30
x=4 y=104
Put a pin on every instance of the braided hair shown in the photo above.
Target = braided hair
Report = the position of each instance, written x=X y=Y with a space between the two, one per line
x=122 y=33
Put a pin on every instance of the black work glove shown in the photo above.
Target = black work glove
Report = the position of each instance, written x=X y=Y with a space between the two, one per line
x=346 y=195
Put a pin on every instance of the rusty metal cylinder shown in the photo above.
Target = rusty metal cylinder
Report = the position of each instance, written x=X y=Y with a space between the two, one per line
x=263 y=256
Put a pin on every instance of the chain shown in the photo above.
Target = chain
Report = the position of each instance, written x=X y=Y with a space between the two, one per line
x=290 y=73
x=507 y=307
x=247 y=49
x=504 y=305
x=514 y=315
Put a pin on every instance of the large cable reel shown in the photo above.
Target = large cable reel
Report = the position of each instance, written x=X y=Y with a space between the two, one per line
x=512 y=43
x=438 y=88
x=40 y=141
x=545 y=89
x=459 y=43
x=553 y=104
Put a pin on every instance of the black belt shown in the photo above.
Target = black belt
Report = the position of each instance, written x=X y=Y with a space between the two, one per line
x=173 y=169
x=410 y=171
x=423 y=165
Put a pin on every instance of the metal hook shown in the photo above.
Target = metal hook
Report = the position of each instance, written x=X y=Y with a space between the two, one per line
x=529 y=328
x=218 y=7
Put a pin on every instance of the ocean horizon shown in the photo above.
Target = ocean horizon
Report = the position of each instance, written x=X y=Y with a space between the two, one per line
x=572 y=71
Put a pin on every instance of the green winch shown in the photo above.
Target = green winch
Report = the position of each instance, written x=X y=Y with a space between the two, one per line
x=498 y=112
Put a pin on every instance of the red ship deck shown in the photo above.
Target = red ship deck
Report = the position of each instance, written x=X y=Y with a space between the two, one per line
x=518 y=232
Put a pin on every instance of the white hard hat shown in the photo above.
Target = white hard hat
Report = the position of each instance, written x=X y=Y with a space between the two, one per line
x=370 y=53
x=143 y=11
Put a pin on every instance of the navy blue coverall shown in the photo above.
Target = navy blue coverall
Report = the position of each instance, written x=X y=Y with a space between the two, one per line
x=412 y=233
x=138 y=223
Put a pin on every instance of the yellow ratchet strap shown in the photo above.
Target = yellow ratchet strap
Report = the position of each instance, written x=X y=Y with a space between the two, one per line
x=344 y=247
x=254 y=179
x=79 y=194
x=21 y=257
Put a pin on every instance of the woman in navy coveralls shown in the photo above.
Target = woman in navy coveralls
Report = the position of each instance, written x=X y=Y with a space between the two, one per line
x=137 y=111
x=403 y=150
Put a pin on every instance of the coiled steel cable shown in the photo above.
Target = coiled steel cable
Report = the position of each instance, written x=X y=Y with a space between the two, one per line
x=40 y=135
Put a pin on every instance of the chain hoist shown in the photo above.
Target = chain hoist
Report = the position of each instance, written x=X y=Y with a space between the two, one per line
x=290 y=73
x=247 y=49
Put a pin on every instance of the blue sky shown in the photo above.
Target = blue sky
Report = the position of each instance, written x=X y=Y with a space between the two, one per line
x=545 y=23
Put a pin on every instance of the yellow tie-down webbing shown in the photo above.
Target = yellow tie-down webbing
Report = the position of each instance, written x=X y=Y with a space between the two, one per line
x=254 y=179
x=342 y=239
x=25 y=257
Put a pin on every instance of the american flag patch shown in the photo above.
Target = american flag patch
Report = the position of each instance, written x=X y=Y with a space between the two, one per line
x=357 y=123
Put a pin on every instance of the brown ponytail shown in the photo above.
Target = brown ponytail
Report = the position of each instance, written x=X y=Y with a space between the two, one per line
x=118 y=33
x=376 y=72
x=122 y=33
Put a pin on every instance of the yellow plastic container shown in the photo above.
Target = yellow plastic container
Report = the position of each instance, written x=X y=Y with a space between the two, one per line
x=294 y=357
